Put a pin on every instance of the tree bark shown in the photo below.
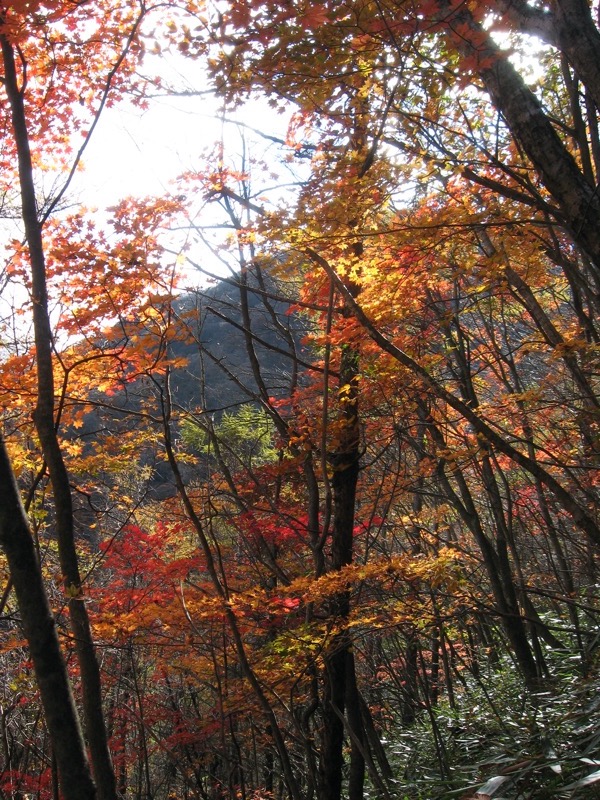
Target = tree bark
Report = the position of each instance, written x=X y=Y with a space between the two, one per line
x=45 y=425
x=345 y=465
x=527 y=121
x=40 y=630
x=569 y=27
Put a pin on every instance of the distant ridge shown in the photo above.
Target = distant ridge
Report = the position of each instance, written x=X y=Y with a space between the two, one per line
x=219 y=364
x=217 y=376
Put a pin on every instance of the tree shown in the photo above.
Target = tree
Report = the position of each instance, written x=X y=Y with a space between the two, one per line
x=504 y=209
x=38 y=622
x=53 y=45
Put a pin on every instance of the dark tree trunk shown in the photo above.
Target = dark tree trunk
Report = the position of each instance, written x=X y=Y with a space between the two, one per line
x=45 y=425
x=40 y=631
x=572 y=30
x=356 y=773
x=345 y=466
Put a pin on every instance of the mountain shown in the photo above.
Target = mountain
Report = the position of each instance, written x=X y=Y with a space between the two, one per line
x=219 y=373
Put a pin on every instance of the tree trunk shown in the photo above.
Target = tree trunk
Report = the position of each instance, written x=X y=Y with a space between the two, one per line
x=578 y=201
x=45 y=425
x=40 y=630
x=344 y=463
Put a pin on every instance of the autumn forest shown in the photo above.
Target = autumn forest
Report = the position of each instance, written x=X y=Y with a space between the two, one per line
x=321 y=522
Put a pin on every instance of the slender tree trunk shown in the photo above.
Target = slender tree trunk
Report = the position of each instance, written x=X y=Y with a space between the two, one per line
x=220 y=587
x=45 y=425
x=40 y=630
x=345 y=465
x=495 y=553
x=356 y=774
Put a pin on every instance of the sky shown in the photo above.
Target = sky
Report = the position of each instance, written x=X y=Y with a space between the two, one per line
x=140 y=153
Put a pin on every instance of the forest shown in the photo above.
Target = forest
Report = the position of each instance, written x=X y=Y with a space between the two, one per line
x=322 y=523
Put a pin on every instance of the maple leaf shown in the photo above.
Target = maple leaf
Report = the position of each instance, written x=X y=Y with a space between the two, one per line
x=314 y=16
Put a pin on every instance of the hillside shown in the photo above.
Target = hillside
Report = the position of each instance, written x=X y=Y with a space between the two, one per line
x=217 y=376
x=219 y=373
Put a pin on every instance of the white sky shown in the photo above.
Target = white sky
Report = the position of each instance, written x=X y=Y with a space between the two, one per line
x=140 y=153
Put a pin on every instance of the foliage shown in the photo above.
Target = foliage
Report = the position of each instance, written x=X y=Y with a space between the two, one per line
x=246 y=436
x=376 y=577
